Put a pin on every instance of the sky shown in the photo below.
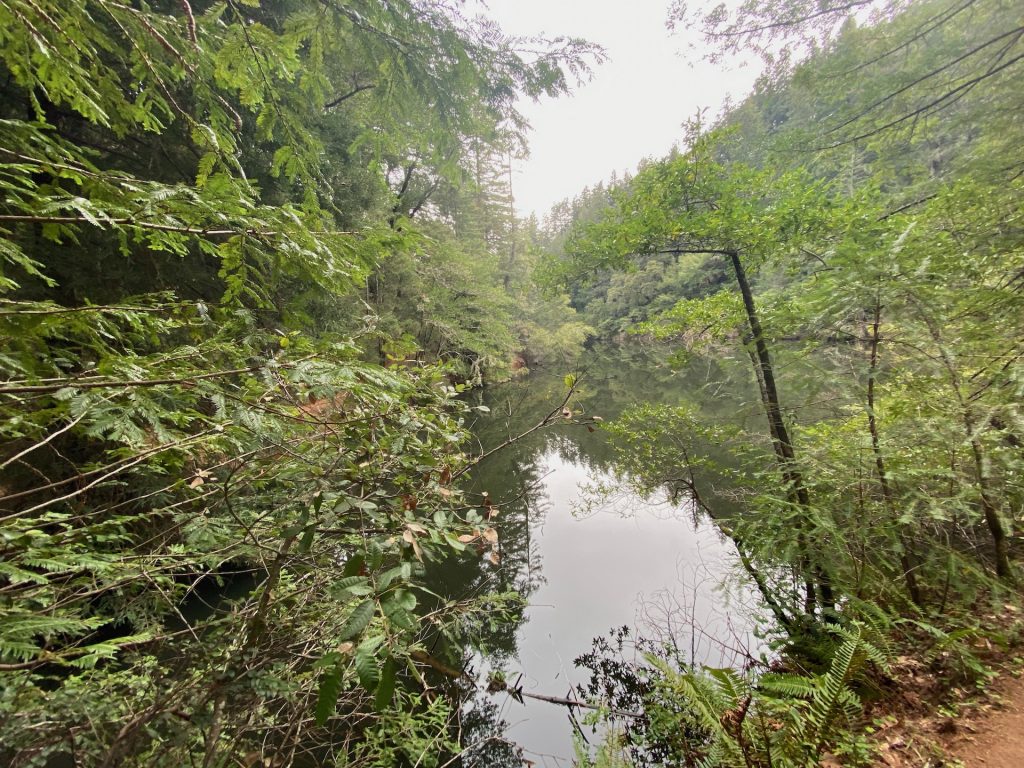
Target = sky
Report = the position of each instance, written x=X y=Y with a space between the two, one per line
x=633 y=107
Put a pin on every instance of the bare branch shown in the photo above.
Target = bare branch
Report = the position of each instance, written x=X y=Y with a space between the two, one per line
x=349 y=95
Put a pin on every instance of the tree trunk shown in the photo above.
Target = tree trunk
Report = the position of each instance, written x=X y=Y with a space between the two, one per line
x=770 y=395
x=781 y=441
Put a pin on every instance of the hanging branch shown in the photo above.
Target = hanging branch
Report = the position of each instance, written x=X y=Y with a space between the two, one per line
x=129 y=222
x=90 y=384
x=561 y=412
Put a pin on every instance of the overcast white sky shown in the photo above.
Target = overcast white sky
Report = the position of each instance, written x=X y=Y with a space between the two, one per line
x=633 y=108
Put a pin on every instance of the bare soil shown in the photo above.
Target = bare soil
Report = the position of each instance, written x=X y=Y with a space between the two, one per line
x=997 y=737
x=931 y=725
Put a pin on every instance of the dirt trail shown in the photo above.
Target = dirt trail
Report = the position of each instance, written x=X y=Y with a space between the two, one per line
x=997 y=737
x=914 y=731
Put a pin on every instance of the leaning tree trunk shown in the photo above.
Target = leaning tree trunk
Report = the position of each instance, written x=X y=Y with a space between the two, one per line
x=781 y=441
x=769 y=392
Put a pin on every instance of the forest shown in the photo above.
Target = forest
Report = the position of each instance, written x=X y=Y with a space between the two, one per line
x=260 y=261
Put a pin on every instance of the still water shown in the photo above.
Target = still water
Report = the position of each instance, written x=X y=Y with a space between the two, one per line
x=590 y=552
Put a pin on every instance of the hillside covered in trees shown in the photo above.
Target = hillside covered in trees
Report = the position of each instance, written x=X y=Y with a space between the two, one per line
x=253 y=255
x=860 y=214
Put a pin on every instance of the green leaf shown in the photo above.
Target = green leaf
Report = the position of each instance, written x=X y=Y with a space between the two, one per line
x=385 y=579
x=354 y=565
x=386 y=687
x=366 y=663
x=327 y=696
x=358 y=620
x=398 y=615
x=357 y=586
x=405 y=599
x=298 y=527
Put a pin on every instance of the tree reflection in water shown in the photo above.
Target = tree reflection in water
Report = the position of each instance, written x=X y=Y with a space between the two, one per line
x=534 y=508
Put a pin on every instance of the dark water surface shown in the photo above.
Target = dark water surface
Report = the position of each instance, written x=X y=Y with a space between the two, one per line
x=589 y=561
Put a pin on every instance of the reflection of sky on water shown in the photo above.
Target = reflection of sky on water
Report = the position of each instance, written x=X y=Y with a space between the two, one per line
x=630 y=562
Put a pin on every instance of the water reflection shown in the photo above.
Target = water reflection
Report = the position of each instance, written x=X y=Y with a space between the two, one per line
x=583 y=562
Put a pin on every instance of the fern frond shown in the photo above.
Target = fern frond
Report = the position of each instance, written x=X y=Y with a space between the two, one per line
x=714 y=696
x=706 y=699
x=786 y=686
x=832 y=695
x=875 y=646
x=731 y=685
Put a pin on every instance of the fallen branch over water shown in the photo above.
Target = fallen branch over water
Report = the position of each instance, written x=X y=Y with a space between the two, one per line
x=496 y=685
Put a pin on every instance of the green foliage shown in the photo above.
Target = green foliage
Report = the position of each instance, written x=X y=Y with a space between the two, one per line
x=215 y=513
x=867 y=194
x=690 y=203
x=186 y=484
x=779 y=719
x=413 y=731
x=885 y=301
x=609 y=753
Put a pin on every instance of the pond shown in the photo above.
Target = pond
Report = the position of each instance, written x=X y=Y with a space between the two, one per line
x=587 y=551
